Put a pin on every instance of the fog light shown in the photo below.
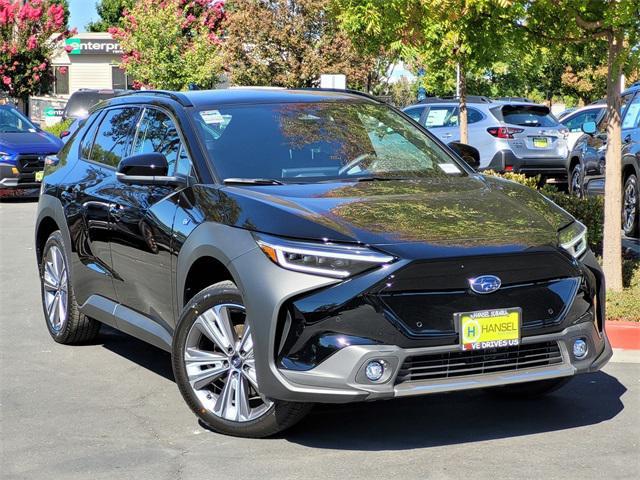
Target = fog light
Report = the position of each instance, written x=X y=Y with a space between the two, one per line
x=580 y=348
x=374 y=370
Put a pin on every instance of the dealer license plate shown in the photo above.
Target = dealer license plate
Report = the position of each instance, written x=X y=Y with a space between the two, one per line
x=39 y=176
x=540 y=142
x=494 y=328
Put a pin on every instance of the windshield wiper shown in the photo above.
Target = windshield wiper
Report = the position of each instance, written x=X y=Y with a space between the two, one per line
x=252 y=181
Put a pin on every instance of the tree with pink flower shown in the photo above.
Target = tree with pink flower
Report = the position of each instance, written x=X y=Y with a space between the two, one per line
x=172 y=44
x=30 y=31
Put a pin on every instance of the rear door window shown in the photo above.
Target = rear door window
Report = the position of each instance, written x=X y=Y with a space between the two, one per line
x=442 y=116
x=114 y=136
x=528 y=116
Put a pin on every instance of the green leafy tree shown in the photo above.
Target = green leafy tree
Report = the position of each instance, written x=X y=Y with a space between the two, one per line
x=172 y=44
x=110 y=13
x=290 y=43
x=469 y=34
x=616 y=24
x=29 y=33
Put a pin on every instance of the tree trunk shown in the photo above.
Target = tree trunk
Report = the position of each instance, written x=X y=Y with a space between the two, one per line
x=612 y=244
x=464 y=127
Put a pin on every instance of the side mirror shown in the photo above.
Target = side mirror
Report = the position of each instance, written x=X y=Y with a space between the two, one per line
x=147 y=169
x=64 y=134
x=589 y=128
x=468 y=153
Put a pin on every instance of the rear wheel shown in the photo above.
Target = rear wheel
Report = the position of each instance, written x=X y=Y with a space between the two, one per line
x=65 y=322
x=214 y=367
x=630 y=206
x=575 y=181
x=530 y=389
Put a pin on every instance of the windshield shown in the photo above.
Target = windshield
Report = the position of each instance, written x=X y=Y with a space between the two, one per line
x=12 y=121
x=310 y=142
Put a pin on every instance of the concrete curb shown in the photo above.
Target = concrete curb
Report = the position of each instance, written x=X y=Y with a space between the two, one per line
x=625 y=335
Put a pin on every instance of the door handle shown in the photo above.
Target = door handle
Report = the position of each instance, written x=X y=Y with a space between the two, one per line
x=116 y=211
x=447 y=135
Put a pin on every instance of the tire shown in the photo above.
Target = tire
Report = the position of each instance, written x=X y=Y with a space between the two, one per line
x=64 y=321
x=212 y=336
x=530 y=389
x=575 y=181
x=631 y=206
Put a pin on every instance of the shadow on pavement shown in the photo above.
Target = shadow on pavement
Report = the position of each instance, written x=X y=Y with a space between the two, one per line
x=152 y=358
x=446 y=419
x=428 y=421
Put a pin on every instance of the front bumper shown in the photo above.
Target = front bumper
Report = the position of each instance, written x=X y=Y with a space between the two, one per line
x=12 y=179
x=343 y=371
x=320 y=356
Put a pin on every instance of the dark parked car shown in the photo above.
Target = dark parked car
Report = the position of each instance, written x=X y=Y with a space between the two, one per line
x=23 y=148
x=292 y=247
x=586 y=163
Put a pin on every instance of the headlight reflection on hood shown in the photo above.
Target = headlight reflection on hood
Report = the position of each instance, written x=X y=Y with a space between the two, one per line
x=326 y=259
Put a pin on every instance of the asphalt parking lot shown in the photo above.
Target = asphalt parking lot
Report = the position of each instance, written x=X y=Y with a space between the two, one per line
x=111 y=410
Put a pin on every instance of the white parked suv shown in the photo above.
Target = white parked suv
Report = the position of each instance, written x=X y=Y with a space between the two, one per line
x=511 y=136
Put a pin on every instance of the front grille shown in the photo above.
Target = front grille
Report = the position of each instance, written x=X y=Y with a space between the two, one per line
x=478 y=362
x=30 y=163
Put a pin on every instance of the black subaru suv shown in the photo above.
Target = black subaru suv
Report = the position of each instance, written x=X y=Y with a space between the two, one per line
x=291 y=247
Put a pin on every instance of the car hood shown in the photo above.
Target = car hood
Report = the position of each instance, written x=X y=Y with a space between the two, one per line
x=29 y=143
x=474 y=212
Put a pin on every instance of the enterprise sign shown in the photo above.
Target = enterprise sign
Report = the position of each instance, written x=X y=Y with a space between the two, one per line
x=93 y=47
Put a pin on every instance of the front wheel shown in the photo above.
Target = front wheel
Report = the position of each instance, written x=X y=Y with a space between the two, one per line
x=214 y=367
x=631 y=207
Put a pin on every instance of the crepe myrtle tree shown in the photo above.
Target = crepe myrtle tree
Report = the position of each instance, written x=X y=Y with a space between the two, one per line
x=615 y=24
x=30 y=31
x=465 y=34
x=172 y=44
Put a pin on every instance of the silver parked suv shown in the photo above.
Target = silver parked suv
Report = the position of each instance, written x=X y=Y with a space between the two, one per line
x=511 y=136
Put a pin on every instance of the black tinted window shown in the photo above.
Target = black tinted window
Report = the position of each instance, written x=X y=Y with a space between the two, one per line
x=574 y=122
x=415 y=113
x=114 y=136
x=473 y=116
x=158 y=133
x=528 y=116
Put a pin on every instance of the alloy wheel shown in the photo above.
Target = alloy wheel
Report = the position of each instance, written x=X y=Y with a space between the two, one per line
x=54 y=281
x=220 y=366
x=629 y=205
x=576 y=181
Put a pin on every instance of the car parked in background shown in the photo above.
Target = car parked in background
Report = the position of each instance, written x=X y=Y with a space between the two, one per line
x=578 y=117
x=292 y=247
x=510 y=136
x=23 y=148
x=81 y=101
x=586 y=163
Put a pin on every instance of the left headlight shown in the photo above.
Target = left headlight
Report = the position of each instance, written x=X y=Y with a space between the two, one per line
x=326 y=259
x=574 y=239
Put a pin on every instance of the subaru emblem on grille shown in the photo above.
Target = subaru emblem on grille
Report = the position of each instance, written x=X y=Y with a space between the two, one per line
x=485 y=283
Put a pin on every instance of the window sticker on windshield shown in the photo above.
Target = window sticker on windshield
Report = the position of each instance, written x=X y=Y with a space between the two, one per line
x=449 y=168
x=212 y=117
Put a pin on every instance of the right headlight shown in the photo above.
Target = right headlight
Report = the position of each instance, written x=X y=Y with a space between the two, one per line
x=326 y=259
x=574 y=239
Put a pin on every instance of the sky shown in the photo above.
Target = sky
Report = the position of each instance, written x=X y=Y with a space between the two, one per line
x=82 y=12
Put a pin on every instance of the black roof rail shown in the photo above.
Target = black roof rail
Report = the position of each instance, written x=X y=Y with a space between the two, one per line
x=469 y=99
x=179 y=97
x=515 y=99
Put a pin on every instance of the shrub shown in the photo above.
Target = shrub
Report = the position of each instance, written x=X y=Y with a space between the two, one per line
x=588 y=210
x=625 y=305
x=58 y=128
